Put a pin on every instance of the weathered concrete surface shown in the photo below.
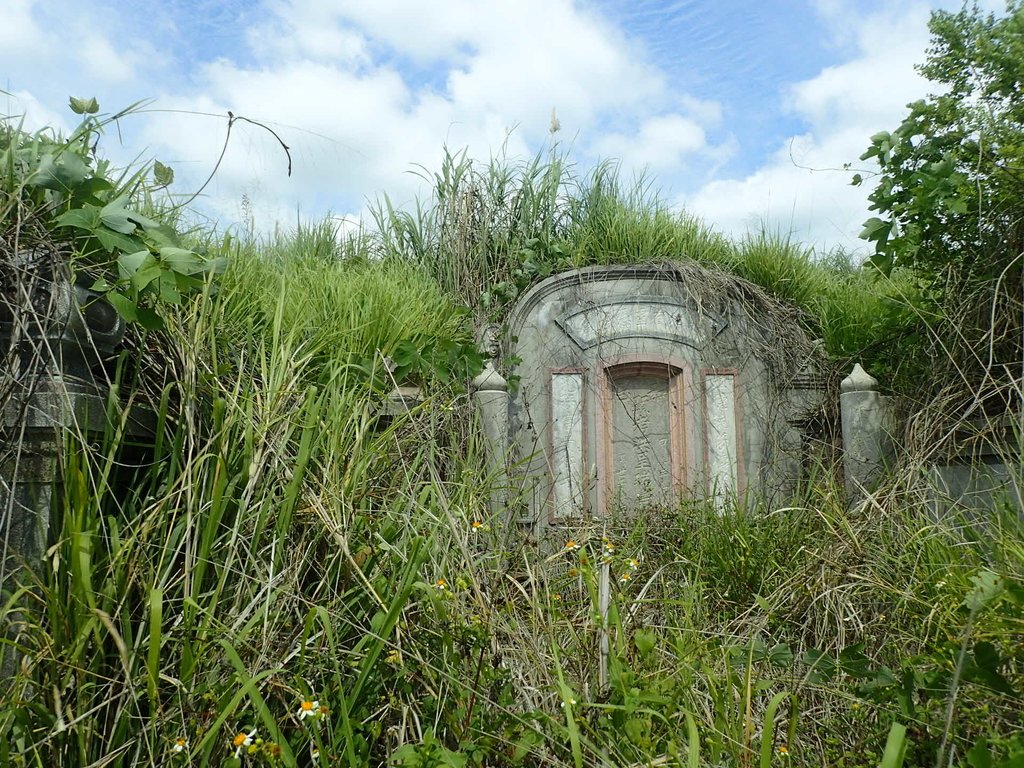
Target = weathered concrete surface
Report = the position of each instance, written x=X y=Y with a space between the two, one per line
x=634 y=391
x=867 y=432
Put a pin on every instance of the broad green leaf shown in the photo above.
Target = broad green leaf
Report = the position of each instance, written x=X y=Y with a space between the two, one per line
x=116 y=216
x=987 y=587
x=979 y=756
x=149 y=319
x=645 y=642
x=895 y=747
x=87 y=218
x=780 y=655
x=84 y=106
x=163 y=175
x=125 y=307
x=62 y=172
x=168 y=288
x=130 y=263
x=115 y=241
x=875 y=229
x=146 y=275
x=182 y=260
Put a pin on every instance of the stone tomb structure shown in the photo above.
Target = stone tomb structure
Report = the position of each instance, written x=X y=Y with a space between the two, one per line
x=639 y=386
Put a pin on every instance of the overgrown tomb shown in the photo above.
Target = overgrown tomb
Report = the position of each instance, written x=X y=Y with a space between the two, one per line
x=639 y=386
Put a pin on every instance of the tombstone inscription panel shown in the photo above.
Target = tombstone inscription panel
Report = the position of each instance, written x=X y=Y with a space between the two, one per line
x=641 y=456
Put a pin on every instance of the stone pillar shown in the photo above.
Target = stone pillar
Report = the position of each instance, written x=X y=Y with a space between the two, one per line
x=491 y=398
x=867 y=426
x=53 y=332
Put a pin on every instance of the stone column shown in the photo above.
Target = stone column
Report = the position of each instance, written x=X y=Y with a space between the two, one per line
x=491 y=398
x=867 y=427
x=52 y=334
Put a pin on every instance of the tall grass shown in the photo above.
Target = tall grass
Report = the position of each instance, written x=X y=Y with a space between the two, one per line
x=279 y=543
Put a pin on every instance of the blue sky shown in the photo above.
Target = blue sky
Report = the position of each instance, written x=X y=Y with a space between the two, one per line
x=741 y=112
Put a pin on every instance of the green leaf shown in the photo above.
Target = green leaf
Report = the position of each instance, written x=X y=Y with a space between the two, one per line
x=645 y=642
x=130 y=263
x=115 y=216
x=87 y=218
x=115 y=241
x=124 y=306
x=979 y=756
x=146 y=275
x=61 y=172
x=895 y=747
x=182 y=260
x=987 y=587
x=780 y=655
x=163 y=175
x=84 y=106
x=875 y=229
x=822 y=666
x=149 y=319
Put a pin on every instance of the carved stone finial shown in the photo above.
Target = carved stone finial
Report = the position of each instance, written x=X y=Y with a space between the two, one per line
x=859 y=380
x=489 y=342
x=489 y=380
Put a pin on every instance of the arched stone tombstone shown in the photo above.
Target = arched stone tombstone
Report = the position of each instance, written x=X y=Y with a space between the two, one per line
x=639 y=386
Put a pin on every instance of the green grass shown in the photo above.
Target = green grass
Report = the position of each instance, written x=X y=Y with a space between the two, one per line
x=279 y=543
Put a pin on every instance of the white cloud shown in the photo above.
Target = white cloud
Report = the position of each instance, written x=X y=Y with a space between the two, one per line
x=32 y=114
x=355 y=122
x=19 y=32
x=661 y=145
x=802 y=188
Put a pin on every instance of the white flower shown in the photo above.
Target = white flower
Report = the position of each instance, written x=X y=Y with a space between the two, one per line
x=308 y=709
x=243 y=740
x=180 y=745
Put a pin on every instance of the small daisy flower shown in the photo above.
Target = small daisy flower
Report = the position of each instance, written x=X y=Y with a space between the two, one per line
x=783 y=750
x=609 y=548
x=180 y=745
x=441 y=585
x=476 y=526
x=633 y=563
x=242 y=740
x=626 y=577
x=572 y=544
x=308 y=709
x=570 y=702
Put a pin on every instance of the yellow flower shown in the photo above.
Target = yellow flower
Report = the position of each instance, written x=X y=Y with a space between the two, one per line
x=633 y=563
x=242 y=740
x=476 y=525
x=180 y=745
x=626 y=577
x=440 y=585
x=783 y=750
x=572 y=544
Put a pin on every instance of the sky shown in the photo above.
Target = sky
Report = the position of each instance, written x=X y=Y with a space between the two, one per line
x=749 y=114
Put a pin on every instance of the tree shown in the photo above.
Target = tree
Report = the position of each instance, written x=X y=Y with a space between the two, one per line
x=950 y=192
